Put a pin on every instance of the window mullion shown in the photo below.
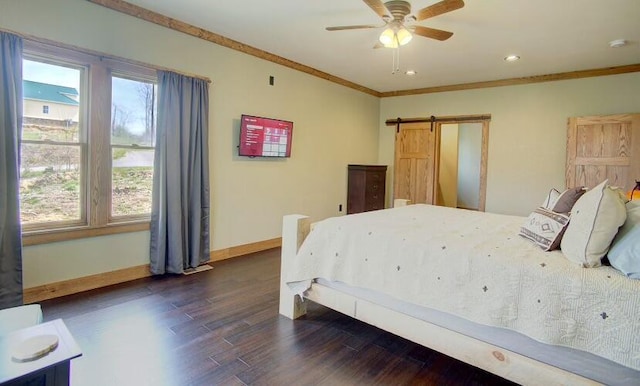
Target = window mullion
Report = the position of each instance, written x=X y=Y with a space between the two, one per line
x=99 y=202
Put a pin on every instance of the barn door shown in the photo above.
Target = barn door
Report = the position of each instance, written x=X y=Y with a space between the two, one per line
x=415 y=167
x=603 y=147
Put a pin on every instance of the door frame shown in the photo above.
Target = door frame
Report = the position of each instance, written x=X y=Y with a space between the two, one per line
x=484 y=155
x=484 y=119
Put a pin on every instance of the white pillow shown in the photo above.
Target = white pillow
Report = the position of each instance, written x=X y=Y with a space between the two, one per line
x=595 y=219
x=551 y=199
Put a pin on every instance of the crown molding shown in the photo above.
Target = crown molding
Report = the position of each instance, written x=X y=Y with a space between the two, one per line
x=518 y=81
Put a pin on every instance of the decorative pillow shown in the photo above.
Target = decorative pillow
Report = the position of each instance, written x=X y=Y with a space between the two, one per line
x=545 y=228
x=567 y=199
x=551 y=199
x=624 y=254
x=595 y=220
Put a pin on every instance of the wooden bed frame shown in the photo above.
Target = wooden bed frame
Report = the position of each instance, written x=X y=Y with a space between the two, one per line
x=504 y=363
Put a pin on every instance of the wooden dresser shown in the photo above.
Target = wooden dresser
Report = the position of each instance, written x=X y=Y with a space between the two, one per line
x=366 y=188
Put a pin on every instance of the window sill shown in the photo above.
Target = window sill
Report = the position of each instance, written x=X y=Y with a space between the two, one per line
x=56 y=235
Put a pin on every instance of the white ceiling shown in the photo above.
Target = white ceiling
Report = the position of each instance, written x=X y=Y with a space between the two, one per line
x=551 y=36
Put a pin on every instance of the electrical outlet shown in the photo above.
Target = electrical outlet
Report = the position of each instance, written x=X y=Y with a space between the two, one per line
x=340 y=208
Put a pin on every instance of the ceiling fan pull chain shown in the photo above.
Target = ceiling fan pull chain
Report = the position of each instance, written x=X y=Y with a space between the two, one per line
x=397 y=55
x=396 y=58
x=393 y=61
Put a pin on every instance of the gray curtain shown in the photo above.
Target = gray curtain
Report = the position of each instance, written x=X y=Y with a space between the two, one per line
x=11 y=121
x=180 y=207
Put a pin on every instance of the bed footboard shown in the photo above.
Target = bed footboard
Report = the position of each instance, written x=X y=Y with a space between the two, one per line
x=295 y=228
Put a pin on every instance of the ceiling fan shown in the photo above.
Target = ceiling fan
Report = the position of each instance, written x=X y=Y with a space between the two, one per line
x=397 y=15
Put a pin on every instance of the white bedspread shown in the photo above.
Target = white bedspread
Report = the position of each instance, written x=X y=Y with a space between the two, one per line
x=475 y=265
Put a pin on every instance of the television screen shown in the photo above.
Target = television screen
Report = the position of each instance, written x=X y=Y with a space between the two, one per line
x=265 y=137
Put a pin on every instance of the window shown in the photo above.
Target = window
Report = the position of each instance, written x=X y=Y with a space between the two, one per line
x=68 y=183
x=51 y=170
x=133 y=112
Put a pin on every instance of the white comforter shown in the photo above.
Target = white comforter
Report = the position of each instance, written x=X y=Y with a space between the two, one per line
x=475 y=265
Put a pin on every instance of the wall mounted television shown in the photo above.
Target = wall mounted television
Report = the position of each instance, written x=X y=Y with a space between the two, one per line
x=265 y=137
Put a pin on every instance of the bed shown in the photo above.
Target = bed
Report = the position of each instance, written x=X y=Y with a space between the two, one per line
x=465 y=296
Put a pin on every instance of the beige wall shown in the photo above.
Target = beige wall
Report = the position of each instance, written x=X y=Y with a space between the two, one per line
x=527 y=135
x=333 y=126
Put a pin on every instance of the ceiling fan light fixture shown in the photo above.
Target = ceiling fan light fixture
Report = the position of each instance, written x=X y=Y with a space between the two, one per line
x=393 y=37
x=387 y=37
x=403 y=36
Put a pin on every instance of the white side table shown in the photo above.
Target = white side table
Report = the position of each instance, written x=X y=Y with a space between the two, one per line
x=51 y=369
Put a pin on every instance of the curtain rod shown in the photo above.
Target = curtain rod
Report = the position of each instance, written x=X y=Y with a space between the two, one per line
x=100 y=54
x=431 y=119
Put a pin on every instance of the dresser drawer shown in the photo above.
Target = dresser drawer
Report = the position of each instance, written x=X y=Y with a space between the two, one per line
x=373 y=206
x=374 y=188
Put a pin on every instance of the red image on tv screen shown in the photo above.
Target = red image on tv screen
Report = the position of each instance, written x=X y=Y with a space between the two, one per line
x=265 y=137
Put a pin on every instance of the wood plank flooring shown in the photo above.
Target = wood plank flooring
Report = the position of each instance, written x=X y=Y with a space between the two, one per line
x=222 y=327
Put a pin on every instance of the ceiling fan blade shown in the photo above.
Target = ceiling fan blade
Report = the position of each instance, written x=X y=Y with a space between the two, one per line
x=438 y=9
x=432 y=33
x=345 y=27
x=378 y=45
x=378 y=7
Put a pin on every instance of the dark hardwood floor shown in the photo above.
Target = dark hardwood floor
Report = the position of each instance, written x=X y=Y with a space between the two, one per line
x=222 y=327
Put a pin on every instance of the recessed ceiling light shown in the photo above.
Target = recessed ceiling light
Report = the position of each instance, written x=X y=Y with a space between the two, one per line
x=410 y=72
x=617 y=43
x=511 y=58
